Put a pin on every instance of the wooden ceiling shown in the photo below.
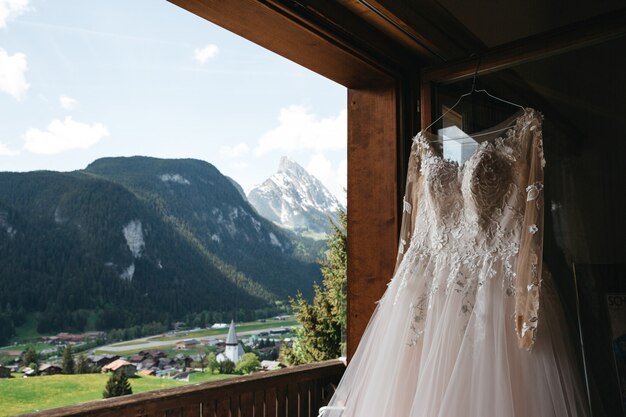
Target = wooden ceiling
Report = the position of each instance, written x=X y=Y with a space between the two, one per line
x=499 y=22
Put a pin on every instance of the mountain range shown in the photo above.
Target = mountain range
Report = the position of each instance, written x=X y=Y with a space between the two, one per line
x=138 y=239
x=296 y=200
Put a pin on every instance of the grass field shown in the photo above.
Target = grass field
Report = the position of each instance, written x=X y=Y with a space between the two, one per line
x=23 y=395
x=23 y=346
x=196 y=377
x=242 y=328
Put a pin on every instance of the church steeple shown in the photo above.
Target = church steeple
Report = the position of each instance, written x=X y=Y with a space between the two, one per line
x=233 y=349
x=231 y=340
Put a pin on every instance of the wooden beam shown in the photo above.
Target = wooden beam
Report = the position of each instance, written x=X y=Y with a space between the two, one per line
x=372 y=202
x=320 y=35
x=424 y=26
x=568 y=38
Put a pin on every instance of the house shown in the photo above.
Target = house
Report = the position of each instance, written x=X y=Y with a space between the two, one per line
x=103 y=360
x=146 y=364
x=146 y=372
x=29 y=372
x=49 y=369
x=284 y=330
x=5 y=372
x=136 y=358
x=187 y=344
x=154 y=354
x=271 y=365
x=181 y=376
x=12 y=353
x=164 y=362
x=120 y=365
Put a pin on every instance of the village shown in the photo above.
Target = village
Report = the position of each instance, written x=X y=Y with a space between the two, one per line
x=257 y=350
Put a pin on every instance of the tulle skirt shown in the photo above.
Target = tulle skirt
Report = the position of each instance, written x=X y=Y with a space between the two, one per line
x=432 y=349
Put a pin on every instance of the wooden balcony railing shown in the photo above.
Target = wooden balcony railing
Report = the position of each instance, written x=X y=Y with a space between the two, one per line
x=289 y=392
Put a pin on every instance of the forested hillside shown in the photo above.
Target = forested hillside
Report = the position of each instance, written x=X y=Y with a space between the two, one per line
x=136 y=240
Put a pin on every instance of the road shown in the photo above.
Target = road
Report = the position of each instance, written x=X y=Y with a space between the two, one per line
x=144 y=343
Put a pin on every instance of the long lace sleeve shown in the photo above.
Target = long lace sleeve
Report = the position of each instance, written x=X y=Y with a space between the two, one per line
x=409 y=202
x=529 y=261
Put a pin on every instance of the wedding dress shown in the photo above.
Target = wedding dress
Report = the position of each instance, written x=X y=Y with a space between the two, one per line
x=470 y=325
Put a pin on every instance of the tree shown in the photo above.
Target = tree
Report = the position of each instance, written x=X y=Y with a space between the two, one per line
x=30 y=356
x=68 y=360
x=227 y=366
x=212 y=362
x=323 y=321
x=248 y=363
x=7 y=328
x=82 y=366
x=117 y=385
x=203 y=359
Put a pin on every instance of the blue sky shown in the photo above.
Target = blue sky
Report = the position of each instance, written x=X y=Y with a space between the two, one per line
x=83 y=79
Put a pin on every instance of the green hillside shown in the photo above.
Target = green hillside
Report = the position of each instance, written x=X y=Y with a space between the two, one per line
x=137 y=240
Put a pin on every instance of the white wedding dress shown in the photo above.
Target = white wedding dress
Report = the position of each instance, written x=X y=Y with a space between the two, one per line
x=470 y=325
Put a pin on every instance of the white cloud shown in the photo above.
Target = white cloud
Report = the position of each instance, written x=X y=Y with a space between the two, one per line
x=342 y=177
x=333 y=178
x=239 y=165
x=234 y=152
x=6 y=151
x=299 y=129
x=10 y=9
x=12 y=69
x=62 y=136
x=68 y=103
x=204 y=54
x=321 y=168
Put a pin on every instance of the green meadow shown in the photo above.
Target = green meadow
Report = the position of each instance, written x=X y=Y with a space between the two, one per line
x=22 y=395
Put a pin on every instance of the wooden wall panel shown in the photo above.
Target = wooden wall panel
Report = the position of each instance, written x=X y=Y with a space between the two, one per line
x=372 y=202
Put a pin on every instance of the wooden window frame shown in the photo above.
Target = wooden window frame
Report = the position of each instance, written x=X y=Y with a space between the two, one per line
x=330 y=40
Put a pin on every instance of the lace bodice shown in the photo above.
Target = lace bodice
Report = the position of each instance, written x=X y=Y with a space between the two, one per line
x=479 y=218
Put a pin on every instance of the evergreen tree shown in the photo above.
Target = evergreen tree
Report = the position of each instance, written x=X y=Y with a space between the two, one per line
x=30 y=356
x=68 y=360
x=117 y=385
x=323 y=321
x=82 y=366
x=7 y=329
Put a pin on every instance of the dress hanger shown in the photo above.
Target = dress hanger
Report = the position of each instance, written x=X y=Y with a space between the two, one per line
x=472 y=91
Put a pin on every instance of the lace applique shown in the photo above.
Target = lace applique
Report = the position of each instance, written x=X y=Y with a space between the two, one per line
x=468 y=226
x=533 y=191
x=401 y=247
x=406 y=206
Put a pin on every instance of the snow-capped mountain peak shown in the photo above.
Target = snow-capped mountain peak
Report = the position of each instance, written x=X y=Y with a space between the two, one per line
x=294 y=199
